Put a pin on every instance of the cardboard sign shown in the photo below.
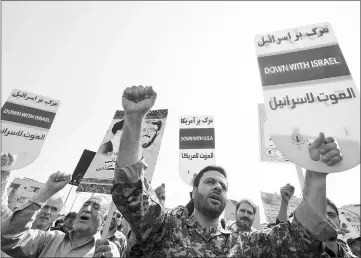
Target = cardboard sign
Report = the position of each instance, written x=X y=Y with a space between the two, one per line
x=308 y=89
x=26 y=119
x=84 y=162
x=196 y=146
x=268 y=150
x=347 y=230
x=99 y=176
x=272 y=204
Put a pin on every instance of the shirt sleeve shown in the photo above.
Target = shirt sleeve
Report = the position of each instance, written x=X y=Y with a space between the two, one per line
x=5 y=210
x=298 y=237
x=139 y=204
x=17 y=237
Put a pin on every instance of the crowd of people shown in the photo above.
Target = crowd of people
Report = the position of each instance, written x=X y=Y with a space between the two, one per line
x=35 y=228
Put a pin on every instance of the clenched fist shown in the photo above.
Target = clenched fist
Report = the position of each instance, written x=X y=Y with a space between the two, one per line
x=287 y=192
x=138 y=100
x=57 y=181
x=325 y=150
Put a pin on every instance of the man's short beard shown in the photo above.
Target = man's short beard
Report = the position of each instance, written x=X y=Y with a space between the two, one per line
x=201 y=204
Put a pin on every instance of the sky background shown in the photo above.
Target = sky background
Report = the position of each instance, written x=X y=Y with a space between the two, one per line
x=198 y=56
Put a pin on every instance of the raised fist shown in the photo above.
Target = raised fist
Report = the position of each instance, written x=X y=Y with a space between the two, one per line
x=138 y=100
x=287 y=192
x=57 y=181
x=325 y=150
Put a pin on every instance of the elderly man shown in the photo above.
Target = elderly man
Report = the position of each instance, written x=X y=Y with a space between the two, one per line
x=48 y=213
x=163 y=232
x=19 y=240
x=114 y=235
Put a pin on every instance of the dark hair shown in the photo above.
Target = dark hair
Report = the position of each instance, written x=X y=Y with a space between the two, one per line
x=190 y=205
x=70 y=215
x=117 y=126
x=249 y=202
x=157 y=123
x=198 y=177
x=329 y=202
x=58 y=221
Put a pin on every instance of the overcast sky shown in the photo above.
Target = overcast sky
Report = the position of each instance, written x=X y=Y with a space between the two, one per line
x=199 y=57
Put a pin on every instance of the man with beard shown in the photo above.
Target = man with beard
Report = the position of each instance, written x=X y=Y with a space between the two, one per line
x=150 y=133
x=107 y=148
x=245 y=213
x=114 y=235
x=163 y=232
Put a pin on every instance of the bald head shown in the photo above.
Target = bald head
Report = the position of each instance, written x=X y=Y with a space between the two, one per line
x=48 y=213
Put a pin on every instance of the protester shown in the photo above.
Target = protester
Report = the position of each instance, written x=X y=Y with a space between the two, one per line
x=67 y=224
x=245 y=213
x=164 y=232
x=332 y=215
x=48 y=213
x=114 y=235
x=355 y=245
x=58 y=224
x=18 y=239
x=333 y=218
x=160 y=192
x=286 y=192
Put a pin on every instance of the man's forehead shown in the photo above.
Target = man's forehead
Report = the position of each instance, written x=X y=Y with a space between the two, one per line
x=55 y=202
x=215 y=175
x=245 y=205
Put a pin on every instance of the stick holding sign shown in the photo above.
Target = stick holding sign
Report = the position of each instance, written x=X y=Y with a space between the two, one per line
x=108 y=221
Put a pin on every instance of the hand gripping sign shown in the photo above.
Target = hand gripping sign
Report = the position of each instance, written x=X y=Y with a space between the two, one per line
x=25 y=121
x=308 y=89
x=196 y=146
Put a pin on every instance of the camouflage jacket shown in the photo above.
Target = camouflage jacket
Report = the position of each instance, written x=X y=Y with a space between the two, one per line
x=171 y=233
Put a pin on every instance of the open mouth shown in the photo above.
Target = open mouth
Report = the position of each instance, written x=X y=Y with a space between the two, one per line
x=43 y=217
x=84 y=216
x=215 y=197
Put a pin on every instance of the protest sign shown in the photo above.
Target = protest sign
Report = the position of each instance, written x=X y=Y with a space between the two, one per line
x=26 y=119
x=347 y=230
x=86 y=158
x=268 y=150
x=99 y=176
x=308 y=89
x=272 y=203
x=196 y=146
x=230 y=214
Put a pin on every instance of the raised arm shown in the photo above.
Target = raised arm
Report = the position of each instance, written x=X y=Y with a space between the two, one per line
x=314 y=191
x=302 y=236
x=6 y=160
x=287 y=192
x=132 y=193
x=137 y=101
x=17 y=239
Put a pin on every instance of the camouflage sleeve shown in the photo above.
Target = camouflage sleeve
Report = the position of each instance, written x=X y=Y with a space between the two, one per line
x=299 y=237
x=139 y=204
